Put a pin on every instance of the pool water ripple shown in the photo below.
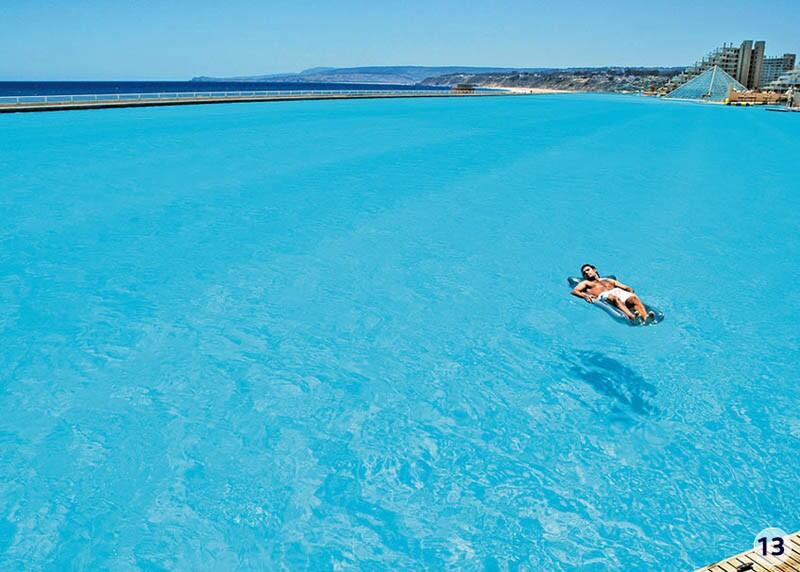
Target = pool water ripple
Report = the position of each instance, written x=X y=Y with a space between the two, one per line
x=328 y=335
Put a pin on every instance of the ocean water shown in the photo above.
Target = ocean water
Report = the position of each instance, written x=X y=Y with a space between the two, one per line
x=338 y=335
x=13 y=88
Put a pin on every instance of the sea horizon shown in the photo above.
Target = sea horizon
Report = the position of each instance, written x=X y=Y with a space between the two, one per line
x=23 y=88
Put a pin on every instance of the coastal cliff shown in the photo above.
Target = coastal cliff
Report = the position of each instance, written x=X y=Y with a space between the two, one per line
x=395 y=75
x=605 y=79
x=608 y=80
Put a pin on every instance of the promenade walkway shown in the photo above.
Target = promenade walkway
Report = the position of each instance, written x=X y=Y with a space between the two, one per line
x=105 y=101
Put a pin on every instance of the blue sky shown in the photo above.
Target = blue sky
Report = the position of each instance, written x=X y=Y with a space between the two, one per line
x=177 y=39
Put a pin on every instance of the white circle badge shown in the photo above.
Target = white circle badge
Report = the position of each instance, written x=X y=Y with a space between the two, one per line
x=772 y=545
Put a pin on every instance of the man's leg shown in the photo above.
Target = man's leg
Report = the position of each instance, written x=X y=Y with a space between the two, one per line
x=638 y=307
x=622 y=308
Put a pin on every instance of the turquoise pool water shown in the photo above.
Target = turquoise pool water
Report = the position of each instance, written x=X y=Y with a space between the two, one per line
x=328 y=335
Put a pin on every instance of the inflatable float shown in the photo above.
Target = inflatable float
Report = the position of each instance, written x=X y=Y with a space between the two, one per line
x=615 y=312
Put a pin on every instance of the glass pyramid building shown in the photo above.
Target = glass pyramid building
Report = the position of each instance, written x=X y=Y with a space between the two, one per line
x=713 y=84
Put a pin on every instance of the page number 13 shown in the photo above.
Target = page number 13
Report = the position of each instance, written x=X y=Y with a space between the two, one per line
x=772 y=546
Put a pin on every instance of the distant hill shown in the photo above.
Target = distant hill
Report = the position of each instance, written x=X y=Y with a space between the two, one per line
x=397 y=75
x=605 y=79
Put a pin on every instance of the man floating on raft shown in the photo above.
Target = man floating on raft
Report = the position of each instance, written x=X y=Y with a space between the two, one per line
x=593 y=288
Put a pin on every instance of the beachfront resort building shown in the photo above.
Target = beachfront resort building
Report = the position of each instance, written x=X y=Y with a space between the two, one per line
x=786 y=81
x=774 y=68
x=789 y=84
x=463 y=88
x=745 y=63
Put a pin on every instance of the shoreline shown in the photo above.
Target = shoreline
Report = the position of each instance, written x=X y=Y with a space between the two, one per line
x=528 y=90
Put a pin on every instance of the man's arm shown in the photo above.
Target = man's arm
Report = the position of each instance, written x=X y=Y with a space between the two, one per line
x=622 y=286
x=580 y=291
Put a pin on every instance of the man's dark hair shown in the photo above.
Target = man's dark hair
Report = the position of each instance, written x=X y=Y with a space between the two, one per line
x=592 y=266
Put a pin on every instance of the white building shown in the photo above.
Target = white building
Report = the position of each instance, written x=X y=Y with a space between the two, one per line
x=787 y=80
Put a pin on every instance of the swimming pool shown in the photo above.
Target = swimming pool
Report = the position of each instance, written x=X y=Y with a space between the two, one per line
x=338 y=334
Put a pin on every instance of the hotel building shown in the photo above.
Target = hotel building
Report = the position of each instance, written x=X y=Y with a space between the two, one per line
x=774 y=68
x=745 y=63
x=787 y=81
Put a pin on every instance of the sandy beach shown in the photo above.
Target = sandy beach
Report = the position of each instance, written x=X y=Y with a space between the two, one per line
x=528 y=90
